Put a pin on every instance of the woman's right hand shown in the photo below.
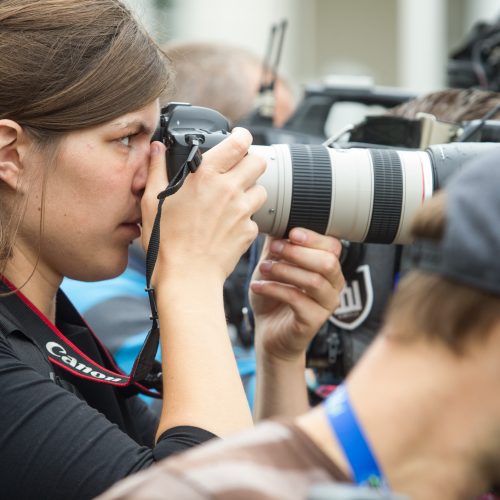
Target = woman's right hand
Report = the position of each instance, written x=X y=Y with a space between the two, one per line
x=206 y=226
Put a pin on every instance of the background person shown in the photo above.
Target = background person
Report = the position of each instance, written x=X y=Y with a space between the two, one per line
x=424 y=396
x=233 y=85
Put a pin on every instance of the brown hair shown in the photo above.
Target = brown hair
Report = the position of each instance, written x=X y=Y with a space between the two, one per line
x=451 y=105
x=67 y=65
x=436 y=306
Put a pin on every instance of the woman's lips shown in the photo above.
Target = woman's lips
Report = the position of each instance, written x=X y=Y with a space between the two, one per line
x=132 y=228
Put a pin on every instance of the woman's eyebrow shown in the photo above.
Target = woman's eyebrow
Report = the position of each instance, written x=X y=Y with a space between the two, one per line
x=138 y=125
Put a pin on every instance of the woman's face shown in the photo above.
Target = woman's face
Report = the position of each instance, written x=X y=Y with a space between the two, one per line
x=92 y=200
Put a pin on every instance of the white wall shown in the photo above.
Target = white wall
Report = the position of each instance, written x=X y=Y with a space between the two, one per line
x=480 y=10
x=356 y=38
x=395 y=42
x=247 y=23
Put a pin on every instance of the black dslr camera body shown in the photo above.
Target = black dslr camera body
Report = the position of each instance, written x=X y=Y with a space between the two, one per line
x=181 y=124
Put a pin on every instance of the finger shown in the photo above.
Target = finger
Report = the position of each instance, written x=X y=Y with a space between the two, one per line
x=304 y=308
x=230 y=151
x=312 y=260
x=312 y=239
x=319 y=261
x=275 y=248
x=322 y=290
x=246 y=172
x=157 y=173
x=255 y=197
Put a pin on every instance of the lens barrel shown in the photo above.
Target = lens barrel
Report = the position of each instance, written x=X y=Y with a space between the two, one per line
x=356 y=194
x=387 y=196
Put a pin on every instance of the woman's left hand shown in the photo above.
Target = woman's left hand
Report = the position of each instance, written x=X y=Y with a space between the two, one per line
x=295 y=288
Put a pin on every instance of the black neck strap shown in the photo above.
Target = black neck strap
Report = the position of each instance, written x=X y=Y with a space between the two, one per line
x=190 y=165
x=145 y=360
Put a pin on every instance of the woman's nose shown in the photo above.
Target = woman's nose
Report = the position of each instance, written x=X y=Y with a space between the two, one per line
x=140 y=177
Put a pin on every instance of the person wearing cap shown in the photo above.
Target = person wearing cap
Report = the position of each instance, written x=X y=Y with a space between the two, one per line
x=420 y=413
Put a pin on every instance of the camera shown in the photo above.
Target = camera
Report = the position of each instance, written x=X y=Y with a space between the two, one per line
x=357 y=191
x=355 y=194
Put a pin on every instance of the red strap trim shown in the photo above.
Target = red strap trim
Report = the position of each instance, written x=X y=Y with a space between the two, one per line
x=67 y=355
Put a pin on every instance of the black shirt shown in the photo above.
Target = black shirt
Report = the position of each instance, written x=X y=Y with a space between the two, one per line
x=63 y=436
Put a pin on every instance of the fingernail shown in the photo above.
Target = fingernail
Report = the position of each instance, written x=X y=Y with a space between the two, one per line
x=265 y=266
x=299 y=236
x=156 y=148
x=277 y=247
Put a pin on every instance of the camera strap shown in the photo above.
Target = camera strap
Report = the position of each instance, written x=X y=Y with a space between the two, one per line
x=349 y=433
x=60 y=351
x=146 y=357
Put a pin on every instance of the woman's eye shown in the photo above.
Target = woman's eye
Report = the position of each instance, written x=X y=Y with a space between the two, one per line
x=125 y=140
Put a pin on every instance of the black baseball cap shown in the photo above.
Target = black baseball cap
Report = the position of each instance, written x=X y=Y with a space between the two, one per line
x=469 y=251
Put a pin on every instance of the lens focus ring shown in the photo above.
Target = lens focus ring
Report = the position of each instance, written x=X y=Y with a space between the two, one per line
x=311 y=188
x=387 y=196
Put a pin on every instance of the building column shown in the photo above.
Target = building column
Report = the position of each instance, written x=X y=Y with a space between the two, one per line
x=421 y=39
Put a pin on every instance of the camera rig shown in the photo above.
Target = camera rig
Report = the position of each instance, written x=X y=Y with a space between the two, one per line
x=184 y=128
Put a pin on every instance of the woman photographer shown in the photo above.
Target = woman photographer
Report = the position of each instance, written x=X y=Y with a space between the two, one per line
x=79 y=88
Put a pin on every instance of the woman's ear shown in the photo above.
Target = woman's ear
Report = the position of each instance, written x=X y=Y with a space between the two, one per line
x=10 y=164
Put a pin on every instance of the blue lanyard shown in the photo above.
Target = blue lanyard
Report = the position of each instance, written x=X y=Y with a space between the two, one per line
x=344 y=424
